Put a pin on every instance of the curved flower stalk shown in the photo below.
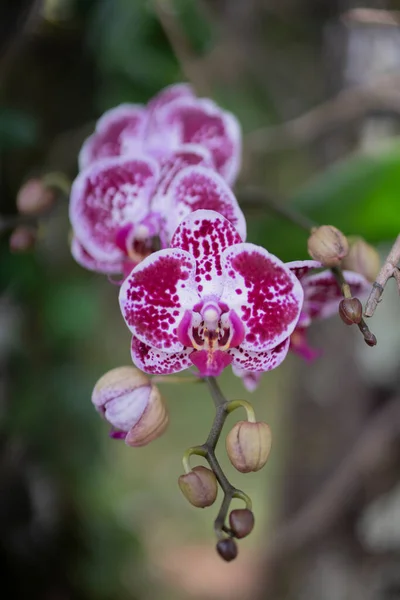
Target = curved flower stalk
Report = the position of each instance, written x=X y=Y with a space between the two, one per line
x=210 y=300
x=172 y=118
x=120 y=206
x=322 y=296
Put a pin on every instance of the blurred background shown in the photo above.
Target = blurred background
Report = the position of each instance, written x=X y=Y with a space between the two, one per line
x=316 y=86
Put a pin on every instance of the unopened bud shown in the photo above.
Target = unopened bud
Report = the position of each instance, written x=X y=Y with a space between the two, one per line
x=328 y=245
x=199 y=486
x=227 y=549
x=350 y=311
x=362 y=258
x=370 y=339
x=241 y=521
x=248 y=445
x=135 y=408
x=34 y=197
x=22 y=239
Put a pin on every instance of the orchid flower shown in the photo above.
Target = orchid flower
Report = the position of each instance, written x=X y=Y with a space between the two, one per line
x=210 y=300
x=120 y=205
x=172 y=118
x=322 y=295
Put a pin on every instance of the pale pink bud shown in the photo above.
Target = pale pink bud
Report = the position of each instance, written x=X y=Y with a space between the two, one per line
x=199 y=486
x=248 y=445
x=328 y=245
x=131 y=404
x=362 y=258
x=34 y=197
x=23 y=238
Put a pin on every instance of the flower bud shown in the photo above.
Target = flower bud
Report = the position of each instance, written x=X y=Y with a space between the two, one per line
x=227 y=549
x=135 y=408
x=369 y=339
x=199 y=486
x=22 y=239
x=362 y=258
x=241 y=521
x=327 y=245
x=350 y=311
x=34 y=197
x=248 y=445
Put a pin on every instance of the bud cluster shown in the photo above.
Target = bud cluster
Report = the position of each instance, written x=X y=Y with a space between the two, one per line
x=328 y=245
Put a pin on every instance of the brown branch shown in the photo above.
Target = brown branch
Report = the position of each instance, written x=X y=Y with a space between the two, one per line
x=388 y=270
x=350 y=104
x=189 y=61
x=335 y=498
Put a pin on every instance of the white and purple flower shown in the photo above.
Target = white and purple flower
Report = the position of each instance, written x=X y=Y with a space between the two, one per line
x=120 y=205
x=210 y=301
x=322 y=295
x=173 y=117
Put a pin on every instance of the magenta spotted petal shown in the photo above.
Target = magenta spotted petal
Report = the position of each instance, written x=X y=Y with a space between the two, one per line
x=205 y=234
x=264 y=293
x=201 y=121
x=86 y=260
x=301 y=268
x=108 y=138
x=196 y=188
x=259 y=361
x=322 y=293
x=177 y=91
x=155 y=296
x=155 y=361
x=105 y=197
x=186 y=155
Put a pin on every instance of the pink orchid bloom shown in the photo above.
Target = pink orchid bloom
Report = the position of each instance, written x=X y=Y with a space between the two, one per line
x=172 y=118
x=322 y=295
x=210 y=300
x=119 y=205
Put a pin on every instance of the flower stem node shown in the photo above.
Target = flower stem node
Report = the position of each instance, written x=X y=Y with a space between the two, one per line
x=350 y=311
x=199 y=486
x=248 y=445
x=34 y=198
x=23 y=238
x=327 y=245
x=241 y=521
x=126 y=398
x=362 y=258
x=227 y=549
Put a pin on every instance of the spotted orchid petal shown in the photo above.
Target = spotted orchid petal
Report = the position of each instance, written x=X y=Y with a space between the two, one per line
x=264 y=293
x=156 y=295
x=184 y=156
x=322 y=293
x=259 y=361
x=83 y=258
x=126 y=120
x=201 y=121
x=197 y=188
x=155 y=361
x=205 y=234
x=177 y=91
x=301 y=268
x=107 y=196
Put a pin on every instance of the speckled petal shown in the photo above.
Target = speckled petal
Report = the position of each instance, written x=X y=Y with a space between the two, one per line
x=86 y=260
x=176 y=91
x=155 y=296
x=259 y=361
x=184 y=156
x=154 y=361
x=322 y=293
x=301 y=268
x=107 y=140
x=106 y=196
x=196 y=188
x=126 y=410
x=202 y=122
x=265 y=294
x=205 y=234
